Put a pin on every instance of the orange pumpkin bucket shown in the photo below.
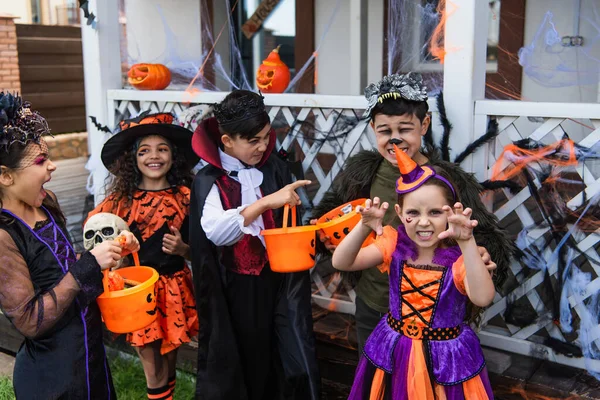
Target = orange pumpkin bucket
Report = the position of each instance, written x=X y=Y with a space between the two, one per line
x=129 y=309
x=338 y=222
x=290 y=249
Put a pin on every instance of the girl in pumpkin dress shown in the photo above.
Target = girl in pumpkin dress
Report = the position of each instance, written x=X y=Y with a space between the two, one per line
x=422 y=349
x=150 y=159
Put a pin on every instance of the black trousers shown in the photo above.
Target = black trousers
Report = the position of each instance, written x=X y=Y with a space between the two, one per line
x=366 y=320
x=275 y=365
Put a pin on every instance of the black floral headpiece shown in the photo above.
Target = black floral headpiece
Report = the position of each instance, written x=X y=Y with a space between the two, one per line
x=247 y=106
x=405 y=86
x=18 y=123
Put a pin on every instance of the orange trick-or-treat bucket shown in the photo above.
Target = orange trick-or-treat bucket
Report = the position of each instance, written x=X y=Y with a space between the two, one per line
x=338 y=222
x=130 y=309
x=290 y=249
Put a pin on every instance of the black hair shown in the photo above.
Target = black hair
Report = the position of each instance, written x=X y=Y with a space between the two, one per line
x=401 y=107
x=11 y=159
x=244 y=128
x=126 y=175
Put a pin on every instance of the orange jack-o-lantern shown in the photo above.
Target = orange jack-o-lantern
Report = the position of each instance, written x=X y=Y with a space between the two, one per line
x=273 y=76
x=149 y=76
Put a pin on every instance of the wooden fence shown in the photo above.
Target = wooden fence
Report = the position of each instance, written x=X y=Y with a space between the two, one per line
x=51 y=68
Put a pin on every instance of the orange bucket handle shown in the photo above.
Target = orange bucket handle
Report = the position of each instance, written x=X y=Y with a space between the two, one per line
x=136 y=260
x=286 y=210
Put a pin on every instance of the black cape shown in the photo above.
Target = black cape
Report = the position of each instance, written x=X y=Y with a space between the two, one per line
x=219 y=373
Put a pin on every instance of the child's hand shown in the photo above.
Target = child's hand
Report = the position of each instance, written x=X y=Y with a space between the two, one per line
x=372 y=215
x=128 y=242
x=174 y=244
x=326 y=240
x=107 y=254
x=286 y=195
x=460 y=224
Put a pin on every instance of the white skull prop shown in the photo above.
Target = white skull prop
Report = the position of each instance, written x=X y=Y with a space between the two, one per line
x=102 y=227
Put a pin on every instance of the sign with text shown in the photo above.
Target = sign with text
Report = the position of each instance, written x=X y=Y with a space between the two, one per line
x=263 y=11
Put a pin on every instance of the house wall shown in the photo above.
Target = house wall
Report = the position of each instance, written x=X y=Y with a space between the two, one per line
x=20 y=9
x=147 y=39
x=564 y=21
x=334 y=52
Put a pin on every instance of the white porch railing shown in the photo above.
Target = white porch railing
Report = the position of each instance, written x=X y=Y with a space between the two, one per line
x=546 y=123
x=326 y=130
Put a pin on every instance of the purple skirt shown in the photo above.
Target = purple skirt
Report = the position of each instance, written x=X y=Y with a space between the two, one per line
x=396 y=382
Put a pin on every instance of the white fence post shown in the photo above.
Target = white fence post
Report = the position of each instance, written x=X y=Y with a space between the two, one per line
x=102 y=71
x=464 y=70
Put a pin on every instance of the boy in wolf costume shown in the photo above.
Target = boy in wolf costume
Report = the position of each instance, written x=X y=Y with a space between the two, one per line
x=398 y=112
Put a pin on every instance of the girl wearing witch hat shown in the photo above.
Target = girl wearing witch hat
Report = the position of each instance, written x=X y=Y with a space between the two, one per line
x=150 y=159
x=48 y=295
x=422 y=348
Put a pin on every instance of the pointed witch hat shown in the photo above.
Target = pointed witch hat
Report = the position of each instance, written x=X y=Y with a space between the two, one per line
x=413 y=175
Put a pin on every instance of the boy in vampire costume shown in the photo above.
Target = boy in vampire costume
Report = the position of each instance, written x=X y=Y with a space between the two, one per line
x=256 y=339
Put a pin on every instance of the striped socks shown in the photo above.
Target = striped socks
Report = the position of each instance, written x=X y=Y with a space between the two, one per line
x=161 y=393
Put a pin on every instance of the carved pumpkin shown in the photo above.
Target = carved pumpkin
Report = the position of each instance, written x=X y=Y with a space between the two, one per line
x=149 y=76
x=273 y=76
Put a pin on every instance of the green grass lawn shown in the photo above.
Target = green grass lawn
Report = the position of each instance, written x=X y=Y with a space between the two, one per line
x=128 y=377
x=6 y=390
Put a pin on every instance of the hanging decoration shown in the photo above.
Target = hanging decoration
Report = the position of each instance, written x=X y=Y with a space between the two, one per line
x=263 y=11
x=149 y=76
x=273 y=76
x=90 y=17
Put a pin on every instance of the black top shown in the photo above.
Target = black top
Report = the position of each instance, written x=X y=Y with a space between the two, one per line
x=49 y=297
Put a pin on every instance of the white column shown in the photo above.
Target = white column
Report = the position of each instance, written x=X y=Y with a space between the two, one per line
x=102 y=71
x=464 y=72
x=358 y=31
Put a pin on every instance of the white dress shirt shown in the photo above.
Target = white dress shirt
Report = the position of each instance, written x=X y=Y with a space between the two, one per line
x=226 y=227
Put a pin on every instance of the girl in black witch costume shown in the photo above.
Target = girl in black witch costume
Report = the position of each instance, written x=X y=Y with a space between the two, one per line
x=256 y=340
x=150 y=159
x=46 y=293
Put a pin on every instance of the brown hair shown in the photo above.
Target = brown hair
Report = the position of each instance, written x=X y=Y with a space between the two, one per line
x=448 y=194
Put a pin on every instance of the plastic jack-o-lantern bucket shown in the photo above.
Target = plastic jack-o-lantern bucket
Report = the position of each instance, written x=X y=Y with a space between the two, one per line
x=338 y=222
x=130 y=309
x=290 y=249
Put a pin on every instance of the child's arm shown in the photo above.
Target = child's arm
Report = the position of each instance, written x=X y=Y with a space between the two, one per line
x=478 y=282
x=349 y=256
x=286 y=195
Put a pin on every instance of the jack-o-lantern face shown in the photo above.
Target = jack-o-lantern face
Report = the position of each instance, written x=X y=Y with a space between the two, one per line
x=312 y=249
x=273 y=76
x=149 y=76
x=412 y=330
x=149 y=300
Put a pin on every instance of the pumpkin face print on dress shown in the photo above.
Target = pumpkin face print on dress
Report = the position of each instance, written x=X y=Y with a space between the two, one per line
x=149 y=76
x=412 y=330
x=273 y=76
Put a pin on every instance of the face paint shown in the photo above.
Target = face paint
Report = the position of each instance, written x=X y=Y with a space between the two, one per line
x=34 y=153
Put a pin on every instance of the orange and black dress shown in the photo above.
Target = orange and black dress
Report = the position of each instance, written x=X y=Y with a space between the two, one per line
x=422 y=349
x=149 y=217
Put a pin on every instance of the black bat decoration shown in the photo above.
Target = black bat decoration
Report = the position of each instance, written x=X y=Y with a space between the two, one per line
x=99 y=126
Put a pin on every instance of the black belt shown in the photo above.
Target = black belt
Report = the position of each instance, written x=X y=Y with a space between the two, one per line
x=414 y=331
